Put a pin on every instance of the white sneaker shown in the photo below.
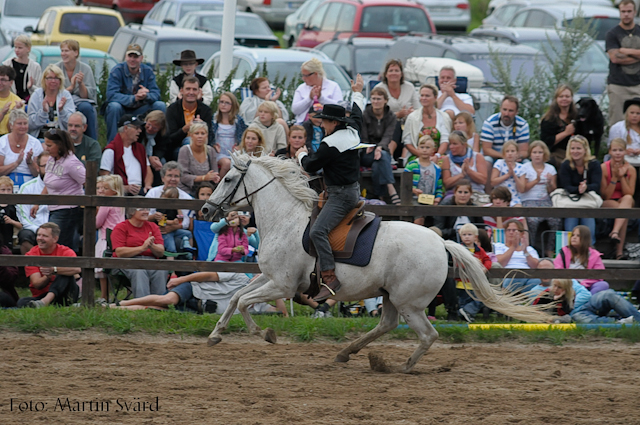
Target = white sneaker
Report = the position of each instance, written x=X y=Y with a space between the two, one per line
x=626 y=321
x=466 y=316
x=36 y=304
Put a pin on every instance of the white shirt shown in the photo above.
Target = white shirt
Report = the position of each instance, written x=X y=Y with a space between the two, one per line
x=517 y=260
x=156 y=192
x=10 y=156
x=331 y=94
x=510 y=183
x=32 y=187
x=620 y=130
x=449 y=104
x=131 y=164
x=539 y=191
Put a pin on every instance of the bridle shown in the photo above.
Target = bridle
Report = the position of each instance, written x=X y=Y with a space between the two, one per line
x=227 y=203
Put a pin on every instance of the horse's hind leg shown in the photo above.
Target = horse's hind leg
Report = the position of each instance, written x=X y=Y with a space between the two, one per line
x=417 y=320
x=388 y=322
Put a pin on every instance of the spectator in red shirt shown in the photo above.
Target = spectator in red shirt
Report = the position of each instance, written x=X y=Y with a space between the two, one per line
x=49 y=285
x=136 y=237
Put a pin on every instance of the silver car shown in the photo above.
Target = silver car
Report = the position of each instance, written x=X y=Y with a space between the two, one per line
x=295 y=22
x=272 y=11
x=452 y=15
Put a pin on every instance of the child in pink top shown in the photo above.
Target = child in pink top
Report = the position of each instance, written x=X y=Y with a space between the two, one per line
x=107 y=218
x=233 y=243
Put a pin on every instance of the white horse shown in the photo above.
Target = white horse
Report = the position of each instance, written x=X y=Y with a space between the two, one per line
x=408 y=264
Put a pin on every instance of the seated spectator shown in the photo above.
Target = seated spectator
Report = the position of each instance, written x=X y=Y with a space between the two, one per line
x=464 y=122
x=253 y=142
x=253 y=238
x=274 y=135
x=50 y=285
x=581 y=255
x=175 y=238
x=461 y=196
x=227 y=130
x=617 y=189
x=51 y=105
x=80 y=82
x=197 y=159
x=8 y=275
x=85 y=147
x=203 y=193
x=185 y=111
x=261 y=89
x=136 y=237
x=297 y=139
x=126 y=157
x=469 y=306
x=629 y=129
x=449 y=101
x=427 y=120
x=233 y=243
x=378 y=125
x=18 y=148
x=189 y=62
x=107 y=218
x=504 y=126
x=8 y=100
x=8 y=215
x=505 y=171
x=157 y=144
x=516 y=253
x=534 y=181
x=557 y=125
x=131 y=90
x=427 y=176
x=27 y=236
x=500 y=197
x=580 y=173
x=462 y=162
x=28 y=71
x=316 y=88
x=199 y=227
x=313 y=127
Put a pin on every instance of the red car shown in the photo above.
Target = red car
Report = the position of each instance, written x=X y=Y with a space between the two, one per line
x=374 y=18
x=131 y=10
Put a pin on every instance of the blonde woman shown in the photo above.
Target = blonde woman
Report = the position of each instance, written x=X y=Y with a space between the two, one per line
x=253 y=142
x=28 y=72
x=198 y=160
x=427 y=120
x=629 y=130
x=51 y=105
x=315 y=88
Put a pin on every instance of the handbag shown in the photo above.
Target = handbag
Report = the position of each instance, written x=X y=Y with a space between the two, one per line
x=562 y=199
x=633 y=160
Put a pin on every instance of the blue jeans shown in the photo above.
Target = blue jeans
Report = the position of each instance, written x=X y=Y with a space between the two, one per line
x=174 y=239
x=600 y=304
x=520 y=284
x=372 y=304
x=187 y=300
x=68 y=219
x=381 y=171
x=571 y=223
x=89 y=111
x=468 y=304
x=115 y=110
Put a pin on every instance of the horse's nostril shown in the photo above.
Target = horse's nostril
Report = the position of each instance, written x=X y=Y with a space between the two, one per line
x=205 y=210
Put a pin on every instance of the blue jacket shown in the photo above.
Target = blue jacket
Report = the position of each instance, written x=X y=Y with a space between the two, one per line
x=120 y=86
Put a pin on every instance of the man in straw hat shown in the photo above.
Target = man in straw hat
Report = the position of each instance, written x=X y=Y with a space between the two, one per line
x=188 y=62
x=339 y=158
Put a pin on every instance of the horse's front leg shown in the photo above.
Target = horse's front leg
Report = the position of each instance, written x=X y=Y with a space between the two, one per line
x=216 y=335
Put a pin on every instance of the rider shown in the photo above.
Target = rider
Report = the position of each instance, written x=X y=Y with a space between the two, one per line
x=338 y=157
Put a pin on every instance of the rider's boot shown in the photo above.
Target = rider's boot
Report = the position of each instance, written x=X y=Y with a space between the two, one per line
x=329 y=285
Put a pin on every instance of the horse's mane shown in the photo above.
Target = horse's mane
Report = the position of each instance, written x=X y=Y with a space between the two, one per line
x=286 y=170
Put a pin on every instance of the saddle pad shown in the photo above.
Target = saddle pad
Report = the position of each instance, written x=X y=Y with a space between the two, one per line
x=363 y=248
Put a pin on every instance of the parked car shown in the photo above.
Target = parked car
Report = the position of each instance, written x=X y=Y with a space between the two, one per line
x=494 y=4
x=161 y=45
x=294 y=23
x=370 y=18
x=47 y=55
x=132 y=10
x=452 y=15
x=17 y=14
x=250 y=31
x=91 y=26
x=168 y=12
x=273 y=11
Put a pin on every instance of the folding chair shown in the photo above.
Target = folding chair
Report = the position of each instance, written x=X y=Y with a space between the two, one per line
x=561 y=239
x=115 y=277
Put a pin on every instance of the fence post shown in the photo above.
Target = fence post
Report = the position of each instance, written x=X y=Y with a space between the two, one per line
x=406 y=186
x=89 y=236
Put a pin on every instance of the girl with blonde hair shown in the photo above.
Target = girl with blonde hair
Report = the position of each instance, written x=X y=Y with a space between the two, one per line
x=253 y=142
x=28 y=71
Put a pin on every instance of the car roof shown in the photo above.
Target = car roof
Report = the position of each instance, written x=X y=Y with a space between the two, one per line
x=281 y=55
x=362 y=41
x=84 y=51
x=217 y=12
x=570 y=10
x=466 y=44
x=517 y=34
x=95 y=10
x=366 y=3
x=169 y=32
x=192 y=1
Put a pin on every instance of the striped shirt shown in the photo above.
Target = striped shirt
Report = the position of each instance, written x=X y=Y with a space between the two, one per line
x=493 y=131
x=417 y=174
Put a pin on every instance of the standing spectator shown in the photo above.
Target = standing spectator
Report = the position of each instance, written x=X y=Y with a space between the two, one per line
x=18 y=148
x=8 y=214
x=315 y=88
x=462 y=162
x=449 y=101
x=197 y=159
x=505 y=171
x=27 y=236
x=136 y=237
x=557 y=125
x=274 y=135
x=253 y=142
x=85 y=147
x=461 y=196
x=464 y=122
x=131 y=89
x=261 y=89
x=185 y=111
x=8 y=100
x=64 y=175
x=629 y=129
x=622 y=44
x=157 y=144
x=578 y=174
x=80 y=82
x=503 y=126
x=28 y=71
x=127 y=157
x=51 y=105
x=427 y=120
x=617 y=189
x=227 y=130
x=188 y=62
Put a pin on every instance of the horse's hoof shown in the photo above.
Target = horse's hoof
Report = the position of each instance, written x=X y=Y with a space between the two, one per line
x=270 y=336
x=341 y=358
x=213 y=341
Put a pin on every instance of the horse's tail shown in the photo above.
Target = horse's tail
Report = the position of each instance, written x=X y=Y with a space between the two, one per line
x=494 y=297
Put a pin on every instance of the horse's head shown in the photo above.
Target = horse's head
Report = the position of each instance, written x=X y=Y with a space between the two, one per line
x=227 y=197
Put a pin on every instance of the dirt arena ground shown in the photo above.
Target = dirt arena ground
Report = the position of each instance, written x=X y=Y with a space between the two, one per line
x=86 y=378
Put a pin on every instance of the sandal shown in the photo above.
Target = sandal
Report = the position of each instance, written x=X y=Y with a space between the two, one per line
x=616 y=239
x=395 y=199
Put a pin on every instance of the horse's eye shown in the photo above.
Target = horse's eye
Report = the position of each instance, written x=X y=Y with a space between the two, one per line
x=227 y=179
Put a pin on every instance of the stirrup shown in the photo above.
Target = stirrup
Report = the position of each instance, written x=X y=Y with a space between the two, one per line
x=333 y=294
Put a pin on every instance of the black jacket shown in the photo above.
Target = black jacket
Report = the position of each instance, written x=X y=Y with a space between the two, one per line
x=175 y=121
x=378 y=132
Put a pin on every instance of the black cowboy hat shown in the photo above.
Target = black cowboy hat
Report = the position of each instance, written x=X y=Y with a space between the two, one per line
x=333 y=112
x=188 y=56
x=629 y=102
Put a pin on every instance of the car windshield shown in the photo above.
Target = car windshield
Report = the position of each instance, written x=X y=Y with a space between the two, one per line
x=394 y=19
x=35 y=9
x=89 y=24
x=95 y=63
x=170 y=50
x=245 y=25
x=370 y=60
x=593 y=60
x=194 y=7
x=602 y=26
x=518 y=63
